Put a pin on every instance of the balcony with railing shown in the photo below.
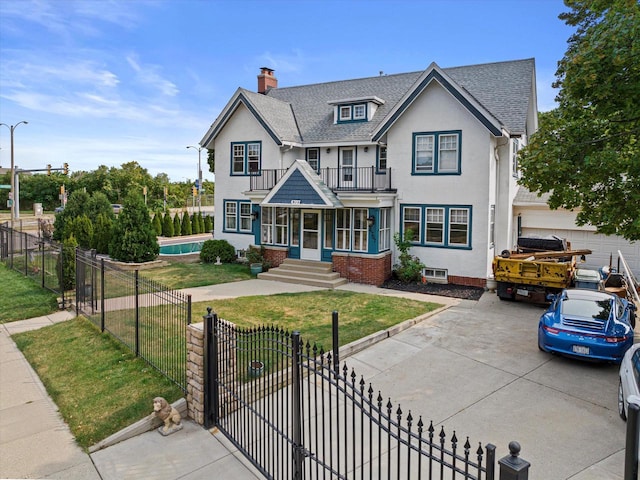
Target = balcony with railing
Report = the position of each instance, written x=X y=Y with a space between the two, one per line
x=344 y=179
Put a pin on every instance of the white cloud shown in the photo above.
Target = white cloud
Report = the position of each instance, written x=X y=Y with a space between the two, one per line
x=149 y=76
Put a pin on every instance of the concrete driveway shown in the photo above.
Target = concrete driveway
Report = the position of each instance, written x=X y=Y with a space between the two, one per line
x=476 y=369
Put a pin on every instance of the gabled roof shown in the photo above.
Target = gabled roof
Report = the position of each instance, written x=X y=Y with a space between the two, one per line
x=302 y=187
x=275 y=116
x=498 y=94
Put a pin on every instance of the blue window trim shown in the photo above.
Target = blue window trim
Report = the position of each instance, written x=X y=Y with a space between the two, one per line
x=436 y=145
x=380 y=170
x=307 y=156
x=351 y=108
x=423 y=219
x=224 y=217
x=245 y=170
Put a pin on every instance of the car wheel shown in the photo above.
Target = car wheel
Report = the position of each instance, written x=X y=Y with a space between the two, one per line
x=621 y=412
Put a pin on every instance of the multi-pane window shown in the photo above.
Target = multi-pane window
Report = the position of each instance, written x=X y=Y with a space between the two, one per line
x=238 y=159
x=515 y=168
x=282 y=226
x=442 y=226
x=245 y=158
x=345 y=113
x=424 y=153
x=359 y=112
x=253 y=157
x=458 y=226
x=231 y=216
x=266 y=227
x=237 y=216
x=436 y=153
x=275 y=226
x=313 y=158
x=448 y=153
x=360 y=232
x=382 y=157
x=352 y=113
x=434 y=228
x=385 y=229
x=411 y=223
x=245 y=216
x=343 y=229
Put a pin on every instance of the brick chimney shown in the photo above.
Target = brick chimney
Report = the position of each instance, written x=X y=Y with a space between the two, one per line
x=266 y=80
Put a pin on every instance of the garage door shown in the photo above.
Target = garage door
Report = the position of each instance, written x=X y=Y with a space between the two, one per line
x=602 y=246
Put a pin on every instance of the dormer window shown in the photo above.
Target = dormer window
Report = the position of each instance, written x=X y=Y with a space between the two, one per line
x=355 y=109
x=353 y=113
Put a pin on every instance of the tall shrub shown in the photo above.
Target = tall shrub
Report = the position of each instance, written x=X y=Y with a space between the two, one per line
x=195 y=225
x=167 y=225
x=157 y=224
x=208 y=223
x=134 y=238
x=177 y=225
x=102 y=233
x=186 y=224
x=410 y=268
x=66 y=263
x=81 y=228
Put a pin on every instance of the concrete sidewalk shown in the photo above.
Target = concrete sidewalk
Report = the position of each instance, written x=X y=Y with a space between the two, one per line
x=36 y=443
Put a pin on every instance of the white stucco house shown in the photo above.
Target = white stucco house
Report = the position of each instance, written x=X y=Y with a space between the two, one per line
x=331 y=171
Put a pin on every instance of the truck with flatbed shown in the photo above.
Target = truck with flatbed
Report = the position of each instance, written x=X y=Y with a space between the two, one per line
x=531 y=275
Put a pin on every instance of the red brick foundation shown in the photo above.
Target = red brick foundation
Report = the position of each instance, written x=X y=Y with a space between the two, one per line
x=367 y=269
x=275 y=256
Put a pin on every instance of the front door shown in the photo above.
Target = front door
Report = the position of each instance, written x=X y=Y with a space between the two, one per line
x=310 y=239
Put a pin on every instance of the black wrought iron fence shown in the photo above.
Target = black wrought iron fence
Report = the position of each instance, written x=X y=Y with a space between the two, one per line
x=146 y=316
x=295 y=413
x=34 y=256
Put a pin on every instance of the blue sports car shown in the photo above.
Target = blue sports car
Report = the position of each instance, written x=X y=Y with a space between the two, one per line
x=587 y=324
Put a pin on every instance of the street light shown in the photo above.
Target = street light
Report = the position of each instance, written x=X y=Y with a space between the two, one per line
x=199 y=173
x=13 y=200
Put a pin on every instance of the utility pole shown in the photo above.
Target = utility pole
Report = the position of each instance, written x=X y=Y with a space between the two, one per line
x=12 y=195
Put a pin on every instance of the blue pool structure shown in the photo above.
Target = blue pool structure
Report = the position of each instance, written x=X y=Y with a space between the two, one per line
x=181 y=248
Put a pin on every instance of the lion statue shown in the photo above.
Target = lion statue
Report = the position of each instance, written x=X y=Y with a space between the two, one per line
x=169 y=415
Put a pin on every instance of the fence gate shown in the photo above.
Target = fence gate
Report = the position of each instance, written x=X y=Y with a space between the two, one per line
x=294 y=413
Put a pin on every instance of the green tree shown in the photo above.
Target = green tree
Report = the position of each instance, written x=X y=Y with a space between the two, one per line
x=167 y=225
x=186 y=224
x=75 y=207
x=81 y=229
x=99 y=203
x=177 y=225
x=102 y=233
x=208 y=223
x=133 y=238
x=587 y=151
x=157 y=223
x=66 y=264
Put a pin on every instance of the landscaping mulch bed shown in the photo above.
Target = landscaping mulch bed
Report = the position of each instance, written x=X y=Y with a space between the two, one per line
x=445 y=290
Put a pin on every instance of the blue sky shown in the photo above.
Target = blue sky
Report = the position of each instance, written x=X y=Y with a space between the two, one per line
x=105 y=82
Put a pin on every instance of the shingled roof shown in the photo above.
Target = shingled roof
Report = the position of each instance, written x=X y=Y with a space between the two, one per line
x=303 y=114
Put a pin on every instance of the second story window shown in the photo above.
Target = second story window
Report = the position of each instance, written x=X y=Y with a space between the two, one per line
x=246 y=158
x=437 y=153
x=352 y=113
x=313 y=158
x=382 y=157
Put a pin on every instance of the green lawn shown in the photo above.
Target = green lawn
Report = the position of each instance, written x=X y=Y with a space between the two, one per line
x=22 y=297
x=100 y=387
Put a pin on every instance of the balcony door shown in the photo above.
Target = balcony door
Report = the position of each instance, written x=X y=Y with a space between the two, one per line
x=310 y=239
x=347 y=170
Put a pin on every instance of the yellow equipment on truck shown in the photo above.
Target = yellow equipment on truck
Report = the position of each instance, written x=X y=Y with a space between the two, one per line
x=531 y=276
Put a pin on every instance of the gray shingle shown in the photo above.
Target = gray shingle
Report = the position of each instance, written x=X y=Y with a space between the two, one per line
x=503 y=88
